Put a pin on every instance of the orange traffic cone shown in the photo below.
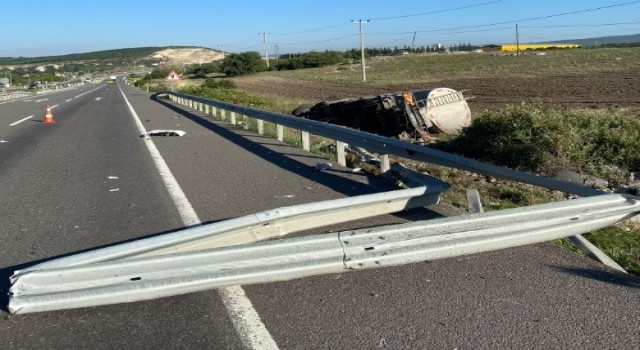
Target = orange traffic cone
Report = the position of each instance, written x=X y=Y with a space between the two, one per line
x=48 y=116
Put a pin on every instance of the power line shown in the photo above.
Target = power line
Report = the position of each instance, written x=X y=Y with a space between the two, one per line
x=320 y=41
x=437 y=11
x=394 y=41
x=249 y=47
x=456 y=32
x=582 y=25
x=534 y=18
x=341 y=24
x=462 y=29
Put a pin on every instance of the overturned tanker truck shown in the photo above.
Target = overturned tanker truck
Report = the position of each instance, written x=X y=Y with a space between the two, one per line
x=413 y=116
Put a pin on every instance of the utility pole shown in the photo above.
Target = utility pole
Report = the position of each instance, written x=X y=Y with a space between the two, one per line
x=362 y=63
x=264 y=43
x=517 y=42
x=413 y=42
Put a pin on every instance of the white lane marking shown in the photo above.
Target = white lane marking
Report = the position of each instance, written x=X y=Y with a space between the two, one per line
x=42 y=99
x=86 y=92
x=54 y=106
x=21 y=120
x=245 y=318
x=67 y=100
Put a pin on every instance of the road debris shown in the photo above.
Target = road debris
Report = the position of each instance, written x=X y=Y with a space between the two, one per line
x=323 y=165
x=164 y=133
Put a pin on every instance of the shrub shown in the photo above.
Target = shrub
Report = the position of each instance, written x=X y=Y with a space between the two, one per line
x=545 y=140
x=219 y=84
x=243 y=63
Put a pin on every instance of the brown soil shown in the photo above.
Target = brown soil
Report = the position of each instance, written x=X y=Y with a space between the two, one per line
x=601 y=90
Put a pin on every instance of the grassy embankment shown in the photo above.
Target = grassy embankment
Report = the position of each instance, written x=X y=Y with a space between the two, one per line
x=601 y=143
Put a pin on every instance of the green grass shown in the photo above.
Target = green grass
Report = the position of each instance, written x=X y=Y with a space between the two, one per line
x=420 y=68
x=621 y=244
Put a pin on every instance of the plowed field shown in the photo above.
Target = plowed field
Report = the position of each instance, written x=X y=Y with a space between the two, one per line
x=595 y=90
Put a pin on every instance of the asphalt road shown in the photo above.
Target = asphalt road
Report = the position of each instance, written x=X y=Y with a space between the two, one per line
x=88 y=180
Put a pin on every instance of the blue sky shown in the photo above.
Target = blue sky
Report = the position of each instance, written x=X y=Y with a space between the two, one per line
x=39 y=27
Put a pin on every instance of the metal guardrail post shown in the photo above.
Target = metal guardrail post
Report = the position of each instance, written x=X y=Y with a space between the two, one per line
x=190 y=103
x=280 y=132
x=207 y=109
x=474 y=204
x=306 y=140
x=594 y=252
x=260 y=123
x=232 y=117
x=214 y=112
x=340 y=154
x=245 y=122
x=385 y=164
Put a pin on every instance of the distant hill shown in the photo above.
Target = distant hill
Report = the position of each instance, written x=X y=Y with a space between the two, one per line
x=176 y=56
x=118 y=56
x=604 y=40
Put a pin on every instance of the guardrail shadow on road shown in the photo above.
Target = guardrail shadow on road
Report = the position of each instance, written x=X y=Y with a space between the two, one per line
x=612 y=277
x=331 y=180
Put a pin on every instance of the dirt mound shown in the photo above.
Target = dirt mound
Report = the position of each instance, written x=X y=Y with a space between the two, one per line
x=179 y=56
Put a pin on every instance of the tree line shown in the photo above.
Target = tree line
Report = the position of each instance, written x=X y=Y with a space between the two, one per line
x=236 y=64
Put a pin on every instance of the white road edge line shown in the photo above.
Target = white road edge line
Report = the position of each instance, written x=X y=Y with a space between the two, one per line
x=21 y=120
x=245 y=318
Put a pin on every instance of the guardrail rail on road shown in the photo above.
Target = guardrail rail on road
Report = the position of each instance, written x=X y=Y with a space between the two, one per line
x=132 y=279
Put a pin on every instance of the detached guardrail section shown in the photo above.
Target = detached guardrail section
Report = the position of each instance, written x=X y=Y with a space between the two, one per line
x=133 y=279
x=230 y=252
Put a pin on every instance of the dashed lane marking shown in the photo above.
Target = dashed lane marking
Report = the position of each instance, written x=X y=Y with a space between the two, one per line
x=21 y=120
